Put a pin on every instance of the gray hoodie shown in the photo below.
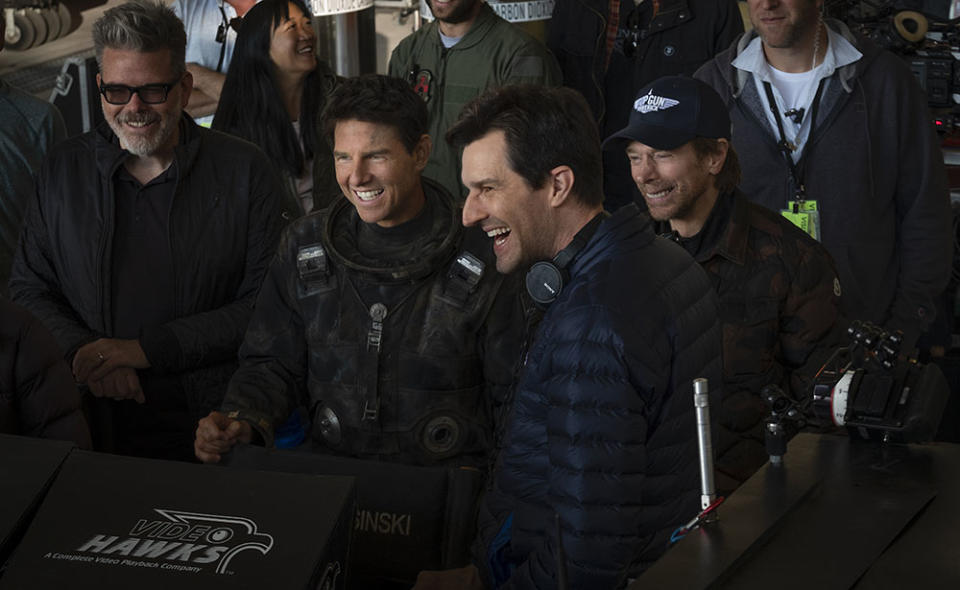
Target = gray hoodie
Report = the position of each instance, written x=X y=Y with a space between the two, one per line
x=876 y=170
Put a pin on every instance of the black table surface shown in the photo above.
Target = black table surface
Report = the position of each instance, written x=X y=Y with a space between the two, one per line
x=837 y=513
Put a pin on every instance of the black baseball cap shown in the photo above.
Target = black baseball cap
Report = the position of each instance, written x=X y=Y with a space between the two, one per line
x=671 y=111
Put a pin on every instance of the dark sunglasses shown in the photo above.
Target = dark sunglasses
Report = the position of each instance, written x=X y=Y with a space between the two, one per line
x=148 y=93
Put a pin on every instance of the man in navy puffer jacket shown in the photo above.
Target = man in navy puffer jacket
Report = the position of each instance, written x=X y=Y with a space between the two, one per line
x=600 y=450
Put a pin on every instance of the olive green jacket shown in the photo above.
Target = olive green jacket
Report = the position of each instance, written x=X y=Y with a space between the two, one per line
x=493 y=53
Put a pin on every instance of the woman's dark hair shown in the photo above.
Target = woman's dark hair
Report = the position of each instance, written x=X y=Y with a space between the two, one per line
x=251 y=106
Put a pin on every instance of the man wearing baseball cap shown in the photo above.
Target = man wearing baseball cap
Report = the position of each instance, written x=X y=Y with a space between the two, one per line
x=778 y=288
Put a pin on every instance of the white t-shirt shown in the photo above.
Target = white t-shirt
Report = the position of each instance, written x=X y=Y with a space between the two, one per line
x=794 y=91
x=794 y=88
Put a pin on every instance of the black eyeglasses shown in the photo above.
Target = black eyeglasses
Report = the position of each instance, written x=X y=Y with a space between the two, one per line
x=148 y=93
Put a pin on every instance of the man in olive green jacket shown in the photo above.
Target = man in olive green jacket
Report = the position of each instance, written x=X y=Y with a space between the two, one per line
x=464 y=51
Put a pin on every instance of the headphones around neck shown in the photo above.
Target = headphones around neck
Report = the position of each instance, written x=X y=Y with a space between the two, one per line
x=546 y=278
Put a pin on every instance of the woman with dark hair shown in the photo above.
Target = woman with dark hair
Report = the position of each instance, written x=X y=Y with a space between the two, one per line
x=273 y=95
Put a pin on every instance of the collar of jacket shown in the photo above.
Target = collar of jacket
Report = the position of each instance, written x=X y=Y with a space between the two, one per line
x=732 y=243
x=628 y=222
x=481 y=26
x=109 y=155
x=672 y=13
x=847 y=74
x=339 y=239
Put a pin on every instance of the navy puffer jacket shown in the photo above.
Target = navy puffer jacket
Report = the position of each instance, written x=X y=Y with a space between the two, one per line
x=602 y=436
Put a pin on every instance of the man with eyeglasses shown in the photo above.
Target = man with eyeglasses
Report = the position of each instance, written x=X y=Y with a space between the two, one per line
x=147 y=243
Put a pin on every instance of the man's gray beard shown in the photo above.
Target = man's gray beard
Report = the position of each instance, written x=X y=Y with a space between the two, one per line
x=149 y=145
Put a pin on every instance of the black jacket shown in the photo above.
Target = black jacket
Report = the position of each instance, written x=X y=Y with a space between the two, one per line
x=779 y=307
x=423 y=384
x=677 y=40
x=37 y=394
x=224 y=223
x=602 y=433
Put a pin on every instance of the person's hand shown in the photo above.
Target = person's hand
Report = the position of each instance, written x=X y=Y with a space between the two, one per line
x=464 y=578
x=95 y=360
x=121 y=383
x=216 y=434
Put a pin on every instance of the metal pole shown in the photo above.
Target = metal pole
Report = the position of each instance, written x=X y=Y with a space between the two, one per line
x=702 y=403
x=346 y=62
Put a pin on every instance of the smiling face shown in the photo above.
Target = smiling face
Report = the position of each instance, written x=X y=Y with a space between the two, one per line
x=377 y=173
x=678 y=185
x=292 y=44
x=144 y=129
x=516 y=216
x=784 y=24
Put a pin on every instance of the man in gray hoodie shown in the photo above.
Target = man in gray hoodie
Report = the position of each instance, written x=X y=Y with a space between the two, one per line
x=847 y=151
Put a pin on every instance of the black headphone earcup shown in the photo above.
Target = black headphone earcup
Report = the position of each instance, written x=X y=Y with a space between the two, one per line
x=545 y=279
x=544 y=282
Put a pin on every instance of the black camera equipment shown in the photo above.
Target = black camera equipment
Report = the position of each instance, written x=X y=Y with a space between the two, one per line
x=867 y=387
x=924 y=33
x=876 y=393
x=785 y=420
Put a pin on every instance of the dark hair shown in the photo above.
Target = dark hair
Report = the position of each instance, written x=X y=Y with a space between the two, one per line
x=544 y=128
x=251 y=105
x=378 y=99
x=729 y=176
x=143 y=26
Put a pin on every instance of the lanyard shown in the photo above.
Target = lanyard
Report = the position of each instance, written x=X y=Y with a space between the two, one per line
x=786 y=148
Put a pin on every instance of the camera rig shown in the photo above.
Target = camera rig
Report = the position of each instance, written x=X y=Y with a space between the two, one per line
x=869 y=388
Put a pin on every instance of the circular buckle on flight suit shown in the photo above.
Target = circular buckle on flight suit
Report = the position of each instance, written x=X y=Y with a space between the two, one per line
x=378 y=312
x=441 y=434
x=329 y=425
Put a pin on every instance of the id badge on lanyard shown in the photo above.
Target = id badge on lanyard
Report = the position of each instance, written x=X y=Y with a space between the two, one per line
x=805 y=215
x=802 y=212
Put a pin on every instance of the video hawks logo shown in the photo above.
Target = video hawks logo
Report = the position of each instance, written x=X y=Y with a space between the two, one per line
x=423 y=83
x=186 y=541
x=651 y=103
